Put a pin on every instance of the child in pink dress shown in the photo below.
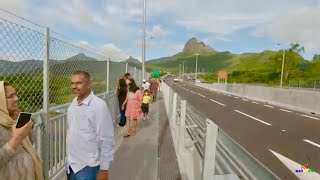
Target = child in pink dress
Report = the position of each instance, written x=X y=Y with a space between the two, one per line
x=133 y=109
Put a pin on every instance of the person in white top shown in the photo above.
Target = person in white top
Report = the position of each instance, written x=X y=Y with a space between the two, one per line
x=145 y=85
x=90 y=135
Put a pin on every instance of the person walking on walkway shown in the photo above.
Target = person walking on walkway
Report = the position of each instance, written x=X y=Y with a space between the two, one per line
x=146 y=99
x=154 y=88
x=122 y=94
x=18 y=158
x=133 y=111
x=145 y=85
x=90 y=135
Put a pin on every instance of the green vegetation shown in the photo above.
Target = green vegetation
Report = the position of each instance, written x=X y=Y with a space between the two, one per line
x=30 y=90
x=254 y=68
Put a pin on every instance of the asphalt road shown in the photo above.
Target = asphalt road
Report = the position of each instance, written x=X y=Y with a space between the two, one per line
x=259 y=127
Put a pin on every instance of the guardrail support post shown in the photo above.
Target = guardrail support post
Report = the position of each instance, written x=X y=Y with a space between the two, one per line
x=210 y=151
x=174 y=110
x=182 y=126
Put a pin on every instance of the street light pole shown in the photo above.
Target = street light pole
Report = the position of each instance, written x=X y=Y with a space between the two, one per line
x=144 y=40
x=179 y=70
x=183 y=69
x=284 y=53
x=197 y=66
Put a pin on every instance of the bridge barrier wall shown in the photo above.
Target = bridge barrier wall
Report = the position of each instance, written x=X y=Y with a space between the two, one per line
x=295 y=99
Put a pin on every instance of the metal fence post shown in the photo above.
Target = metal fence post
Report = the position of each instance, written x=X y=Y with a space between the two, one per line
x=210 y=151
x=169 y=104
x=174 y=110
x=108 y=75
x=165 y=93
x=182 y=126
x=315 y=85
x=126 y=67
x=134 y=73
x=46 y=134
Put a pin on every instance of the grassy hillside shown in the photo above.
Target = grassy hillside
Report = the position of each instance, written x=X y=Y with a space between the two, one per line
x=257 y=68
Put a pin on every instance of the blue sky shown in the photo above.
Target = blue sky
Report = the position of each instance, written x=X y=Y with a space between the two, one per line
x=113 y=27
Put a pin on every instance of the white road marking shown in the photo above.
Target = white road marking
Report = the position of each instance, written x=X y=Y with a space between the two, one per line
x=245 y=99
x=192 y=92
x=310 y=117
x=253 y=118
x=201 y=95
x=313 y=143
x=254 y=102
x=285 y=110
x=293 y=166
x=268 y=106
x=217 y=102
x=283 y=130
x=236 y=97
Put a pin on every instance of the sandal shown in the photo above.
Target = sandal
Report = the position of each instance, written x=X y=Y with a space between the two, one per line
x=127 y=135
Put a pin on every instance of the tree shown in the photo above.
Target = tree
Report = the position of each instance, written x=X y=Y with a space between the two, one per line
x=291 y=61
x=292 y=58
x=316 y=57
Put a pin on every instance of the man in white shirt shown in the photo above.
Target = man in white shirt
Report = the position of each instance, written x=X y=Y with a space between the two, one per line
x=90 y=135
x=145 y=85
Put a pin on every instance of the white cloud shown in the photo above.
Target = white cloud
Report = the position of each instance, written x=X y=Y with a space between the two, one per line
x=83 y=44
x=157 y=31
x=174 y=48
x=12 y=5
x=149 y=43
x=114 y=52
x=299 y=26
x=225 y=39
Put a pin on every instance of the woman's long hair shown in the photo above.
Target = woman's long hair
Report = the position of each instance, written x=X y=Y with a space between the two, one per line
x=133 y=86
x=122 y=86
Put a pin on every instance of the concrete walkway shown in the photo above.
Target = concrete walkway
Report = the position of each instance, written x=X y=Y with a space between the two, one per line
x=149 y=155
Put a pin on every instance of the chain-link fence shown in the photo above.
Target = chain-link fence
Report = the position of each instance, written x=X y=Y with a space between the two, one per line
x=39 y=66
x=312 y=85
x=21 y=61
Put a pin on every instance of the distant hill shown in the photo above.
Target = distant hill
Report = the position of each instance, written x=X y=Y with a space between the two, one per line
x=34 y=67
x=132 y=61
x=193 y=46
x=252 y=66
x=81 y=57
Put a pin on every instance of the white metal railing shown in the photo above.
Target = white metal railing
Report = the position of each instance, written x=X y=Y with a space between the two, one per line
x=54 y=139
x=212 y=151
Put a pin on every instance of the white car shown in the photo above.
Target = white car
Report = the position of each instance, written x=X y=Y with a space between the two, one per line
x=175 y=79
x=199 y=81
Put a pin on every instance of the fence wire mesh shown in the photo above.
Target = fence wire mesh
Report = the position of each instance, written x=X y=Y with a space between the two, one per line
x=66 y=58
x=21 y=55
x=117 y=70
